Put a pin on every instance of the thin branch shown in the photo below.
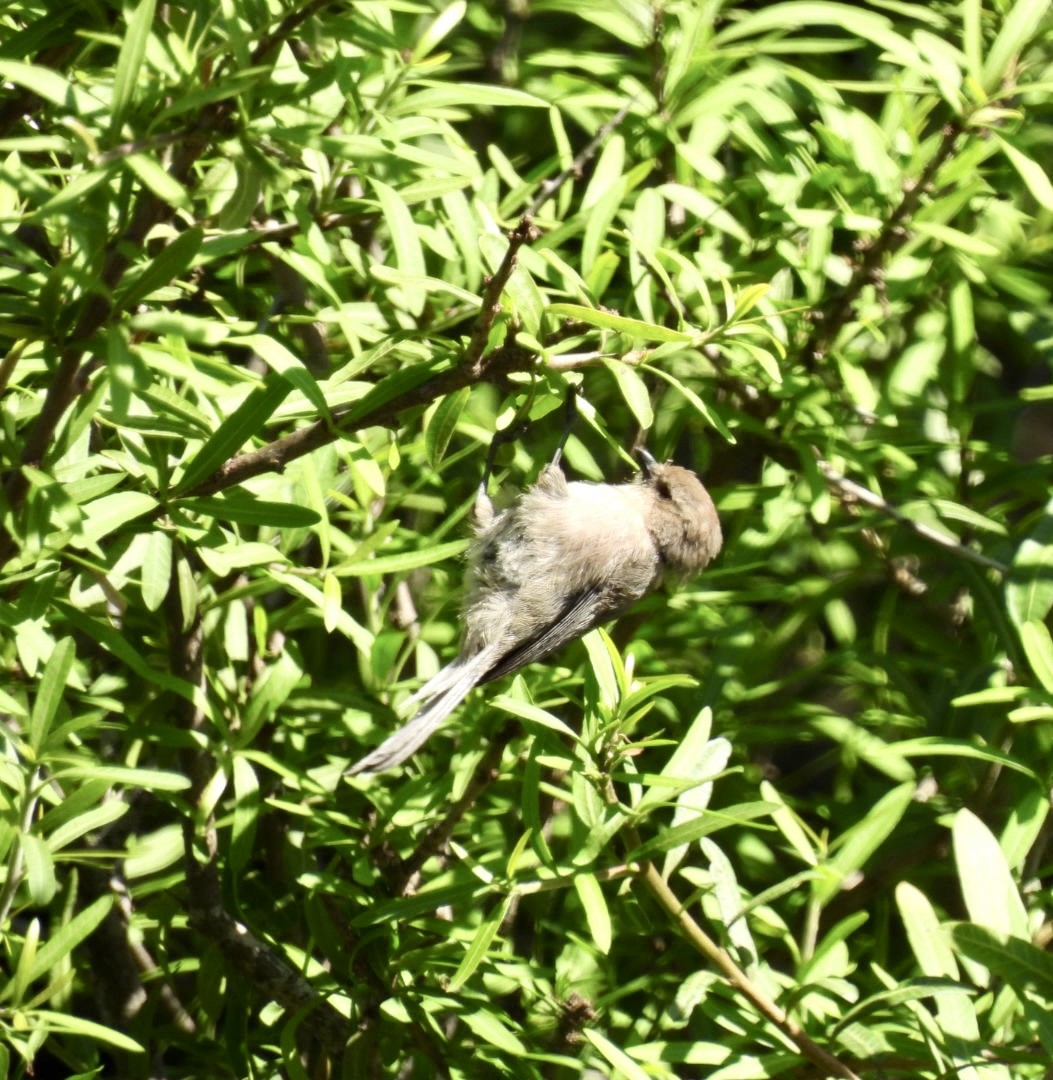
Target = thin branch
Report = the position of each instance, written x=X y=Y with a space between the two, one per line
x=550 y=188
x=851 y=490
x=284 y=30
x=660 y=890
x=476 y=364
x=524 y=233
x=892 y=236
x=267 y=971
x=276 y=455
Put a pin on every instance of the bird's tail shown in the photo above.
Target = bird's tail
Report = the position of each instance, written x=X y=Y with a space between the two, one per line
x=440 y=696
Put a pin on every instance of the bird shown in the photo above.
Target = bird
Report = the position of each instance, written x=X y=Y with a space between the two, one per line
x=564 y=557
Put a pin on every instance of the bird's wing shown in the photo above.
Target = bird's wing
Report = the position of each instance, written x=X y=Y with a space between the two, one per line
x=579 y=615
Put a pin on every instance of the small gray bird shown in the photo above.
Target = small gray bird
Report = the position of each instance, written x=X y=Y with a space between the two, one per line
x=563 y=558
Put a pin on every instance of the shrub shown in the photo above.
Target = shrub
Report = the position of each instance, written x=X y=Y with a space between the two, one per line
x=272 y=276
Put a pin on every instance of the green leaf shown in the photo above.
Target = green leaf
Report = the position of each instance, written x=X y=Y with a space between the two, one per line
x=128 y=74
x=400 y=383
x=633 y=328
x=1027 y=819
x=156 y=569
x=633 y=390
x=1034 y=176
x=50 y=692
x=692 y=759
x=87 y=1029
x=712 y=821
x=616 y=1057
x=1018 y=962
x=245 y=509
x=403 y=561
x=909 y=990
x=988 y=889
x=1038 y=646
x=860 y=742
x=461 y=94
x=342 y=621
x=703 y=409
x=532 y=713
x=48 y=84
x=246 y=421
x=269 y=693
x=1029 y=588
x=935 y=746
x=493 y=1029
x=108 y=514
x=68 y=935
x=246 y=812
x=148 y=779
x=40 y=870
x=705 y=209
x=334 y=601
x=287 y=364
x=480 y=945
x=158 y=180
x=955 y=238
x=791 y=827
x=74 y=193
x=597 y=914
x=442 y=25
x=96 y=818
x=200 y=331
x=402 y=229
x=924 y=932
x=391 y=275
x=957 y=1028
x=120 y=646
x=1015 y=33
x=166 y=267
x=857 y=844
x=16 y=988
x=443 y=424
x=692 y=803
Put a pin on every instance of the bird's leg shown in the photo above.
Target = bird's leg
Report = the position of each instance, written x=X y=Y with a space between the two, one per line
x=551 y=475
x=483 y=512
x=553 y=480
x=570 y=414
x=645 y=458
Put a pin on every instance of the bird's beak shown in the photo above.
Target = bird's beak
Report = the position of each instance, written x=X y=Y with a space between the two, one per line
x=646 y=460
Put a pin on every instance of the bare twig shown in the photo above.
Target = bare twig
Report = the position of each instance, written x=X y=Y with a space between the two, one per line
x=284 y=30
x=524 y=233
x=850 y=489
x=268 y=972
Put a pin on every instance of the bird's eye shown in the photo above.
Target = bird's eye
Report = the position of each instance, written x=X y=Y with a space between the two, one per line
x=662 y=488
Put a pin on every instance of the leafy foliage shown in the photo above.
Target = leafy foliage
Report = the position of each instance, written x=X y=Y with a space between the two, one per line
x=271 y=276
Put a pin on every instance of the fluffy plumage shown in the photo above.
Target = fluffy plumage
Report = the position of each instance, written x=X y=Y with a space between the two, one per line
x=563 y=558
